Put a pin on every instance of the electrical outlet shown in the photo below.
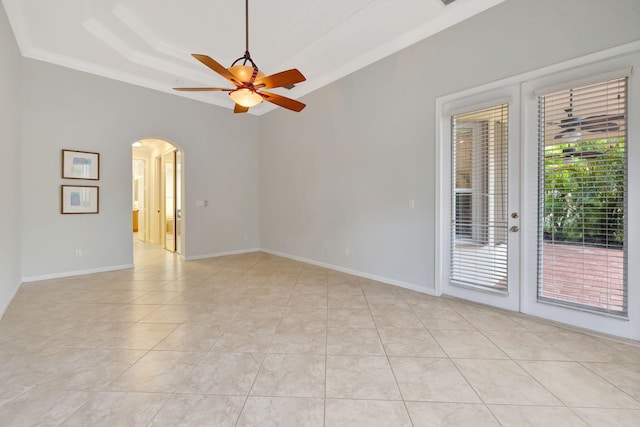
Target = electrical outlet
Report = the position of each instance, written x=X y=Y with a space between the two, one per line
x=78 y=253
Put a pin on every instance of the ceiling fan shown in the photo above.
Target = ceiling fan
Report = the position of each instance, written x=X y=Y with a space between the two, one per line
x=572 y=126
x=249 y=80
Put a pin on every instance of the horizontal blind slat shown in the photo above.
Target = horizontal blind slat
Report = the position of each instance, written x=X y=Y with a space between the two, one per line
x=582 y=205
x=479 y=198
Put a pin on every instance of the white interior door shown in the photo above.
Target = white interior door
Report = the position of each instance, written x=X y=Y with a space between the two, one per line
x=179 y=206
x=139 y=197
x=169 y=182
x=142 y=209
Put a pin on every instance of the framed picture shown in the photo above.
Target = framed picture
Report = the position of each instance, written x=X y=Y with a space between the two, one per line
x=80 y=165
x=79 y=199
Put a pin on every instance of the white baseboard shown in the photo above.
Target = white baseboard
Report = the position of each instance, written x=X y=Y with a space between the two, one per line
x=387 y=280
x=219 y=254
x=382 y=279
x=6 y=304
x=76 y=273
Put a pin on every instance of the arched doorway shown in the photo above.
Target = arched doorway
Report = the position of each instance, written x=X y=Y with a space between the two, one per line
x=157 y=188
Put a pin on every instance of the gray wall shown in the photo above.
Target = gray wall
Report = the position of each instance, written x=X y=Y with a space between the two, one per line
x=63 y=108
x=10 y=273
x=340 y=174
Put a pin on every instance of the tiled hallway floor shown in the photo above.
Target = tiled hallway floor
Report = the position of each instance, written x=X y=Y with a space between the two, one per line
x=258 y=340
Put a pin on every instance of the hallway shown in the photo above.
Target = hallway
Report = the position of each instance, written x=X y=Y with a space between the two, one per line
x=259 y=340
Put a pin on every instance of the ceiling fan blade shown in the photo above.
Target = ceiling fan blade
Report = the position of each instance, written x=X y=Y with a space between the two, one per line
x=567 y=122
x=602 y=123
x=211 y=63
x=284 y=78
x=196 y=89
x=588 y=154
x=240 y=109
x=283 y=101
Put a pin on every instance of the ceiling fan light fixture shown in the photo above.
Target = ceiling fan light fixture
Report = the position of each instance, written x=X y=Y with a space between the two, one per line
x=246 y=97
x=571 y=136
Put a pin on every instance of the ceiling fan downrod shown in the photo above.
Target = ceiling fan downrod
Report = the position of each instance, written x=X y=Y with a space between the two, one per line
x=247 y=56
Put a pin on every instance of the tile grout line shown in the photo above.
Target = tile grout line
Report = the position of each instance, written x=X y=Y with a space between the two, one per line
x=246 y=399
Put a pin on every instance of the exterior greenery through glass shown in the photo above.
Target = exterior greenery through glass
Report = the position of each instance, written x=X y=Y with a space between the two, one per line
x=582 y=197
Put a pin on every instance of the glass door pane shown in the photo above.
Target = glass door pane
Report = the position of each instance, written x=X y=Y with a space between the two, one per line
x=582 y=197
x=479 y=244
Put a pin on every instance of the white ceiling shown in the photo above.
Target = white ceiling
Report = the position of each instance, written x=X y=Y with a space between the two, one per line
x=149 y=42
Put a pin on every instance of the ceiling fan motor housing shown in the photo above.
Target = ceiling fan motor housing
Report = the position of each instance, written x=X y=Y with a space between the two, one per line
x=244 y=73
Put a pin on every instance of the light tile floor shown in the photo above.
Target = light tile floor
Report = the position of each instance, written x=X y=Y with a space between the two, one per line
x=258 y=340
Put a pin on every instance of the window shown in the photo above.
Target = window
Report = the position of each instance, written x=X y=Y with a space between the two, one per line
x=582 y=197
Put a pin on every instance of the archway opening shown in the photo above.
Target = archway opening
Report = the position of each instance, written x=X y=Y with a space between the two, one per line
x=157 y=189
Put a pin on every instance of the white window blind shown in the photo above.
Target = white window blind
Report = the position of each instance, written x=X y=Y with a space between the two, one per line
x=582 y=197
x=479 y=198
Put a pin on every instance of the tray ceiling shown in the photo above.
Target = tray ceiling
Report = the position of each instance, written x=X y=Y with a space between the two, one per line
x=149 y=42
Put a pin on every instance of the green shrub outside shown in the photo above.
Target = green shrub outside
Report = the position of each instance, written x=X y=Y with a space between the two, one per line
x=584 y=192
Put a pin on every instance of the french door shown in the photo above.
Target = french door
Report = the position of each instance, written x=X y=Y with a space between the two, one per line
x=537 y=194
x=481 y=200
x=578 y=268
